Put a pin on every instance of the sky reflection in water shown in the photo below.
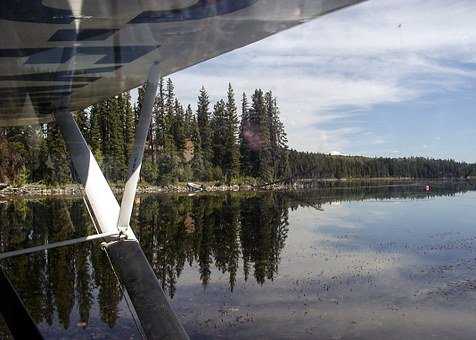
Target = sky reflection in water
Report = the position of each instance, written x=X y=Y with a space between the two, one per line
x=339 y=263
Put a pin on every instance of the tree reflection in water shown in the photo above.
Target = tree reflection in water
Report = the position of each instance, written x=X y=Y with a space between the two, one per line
x=212 y=230
x=223 y=232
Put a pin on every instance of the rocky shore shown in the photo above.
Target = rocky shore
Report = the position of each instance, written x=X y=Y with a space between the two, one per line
x=38 y=190
x=32 y=190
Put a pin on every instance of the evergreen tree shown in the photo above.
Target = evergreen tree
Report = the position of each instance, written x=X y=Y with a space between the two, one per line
x=161 y=127
x=105 y=128
x=39 y=150
x=169 y=110
x=244 y=137
x=57 y=164
x=13 y=155
x=95 y=131
x=257 y=136
x=82 y=120
x=188 y=123
x=129 y=124
x=278 y=137
x=118 y=164
x=178 y=126
x=198 y=164
x=231 y=161
x=203 y=120
x=218 y=125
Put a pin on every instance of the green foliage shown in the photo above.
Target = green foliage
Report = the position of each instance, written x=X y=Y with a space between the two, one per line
x=169 y=171
x=203 y=121
x=231 y=158
x=201 y=146
x=215 y=173
x=178 y=128
x=256 y=146
x=218 y=126
x=198 y=161
x=317 y=165
x=57 y=162
x=11 y=160
x=22 y=177
x=150 y=172
x=128 y=123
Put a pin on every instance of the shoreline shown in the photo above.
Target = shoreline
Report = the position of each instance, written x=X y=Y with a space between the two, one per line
x=42 y=190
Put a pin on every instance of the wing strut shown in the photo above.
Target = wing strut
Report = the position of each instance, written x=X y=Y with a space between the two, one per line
x=157 y=319
x=135 y=160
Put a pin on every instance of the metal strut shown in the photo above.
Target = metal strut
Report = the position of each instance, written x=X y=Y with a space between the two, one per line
x=157 y=319
x=15 y=315
x=48 y=246
x=135 y=159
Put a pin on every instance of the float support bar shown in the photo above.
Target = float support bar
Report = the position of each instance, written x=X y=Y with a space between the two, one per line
x=101 y=199
x=135 y=160
x=14 y=313
x=57 y=245
x=156 y=317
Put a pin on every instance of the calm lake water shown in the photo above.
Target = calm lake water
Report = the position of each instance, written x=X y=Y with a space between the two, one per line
x=373 y=262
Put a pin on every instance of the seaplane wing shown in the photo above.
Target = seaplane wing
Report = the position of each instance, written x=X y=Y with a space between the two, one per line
x=90 y=49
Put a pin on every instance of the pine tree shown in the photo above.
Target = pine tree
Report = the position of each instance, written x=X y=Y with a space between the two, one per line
x=82 y=120
x=104 y=126
x=188 y=121
x=218 y=125
x=169 y=110
x=203 y=120
x=13 y=155
x=178 y=126
x=277 y=135
x=168 y=163
x=244 y=138
x=231 y=161
x=106 y=137
x=260 y=138
x=118 y=164
x=95 y=135
x=129 y=124
x=282 y=166
x=161 y=127
x=39 y=150
x=57 y=163
x=138 y=106
x=198 y=164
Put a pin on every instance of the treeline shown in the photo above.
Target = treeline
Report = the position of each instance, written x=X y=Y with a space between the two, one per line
x=206 y=144
x=210 y=143
x=227 y=141
x=317 y=165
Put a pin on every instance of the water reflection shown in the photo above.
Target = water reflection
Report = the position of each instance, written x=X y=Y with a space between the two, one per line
x=227 y=233
x=52 y=282
x=214 y=230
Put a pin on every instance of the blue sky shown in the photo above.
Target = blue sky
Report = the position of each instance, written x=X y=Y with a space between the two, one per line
x=384 y=78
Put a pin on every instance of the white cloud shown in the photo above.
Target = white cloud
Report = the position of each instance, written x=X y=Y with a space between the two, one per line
x=335 y=68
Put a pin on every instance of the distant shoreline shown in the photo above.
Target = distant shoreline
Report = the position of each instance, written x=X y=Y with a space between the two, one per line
x=42 y=190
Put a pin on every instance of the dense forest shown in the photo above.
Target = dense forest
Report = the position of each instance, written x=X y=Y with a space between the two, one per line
x=224 y=141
